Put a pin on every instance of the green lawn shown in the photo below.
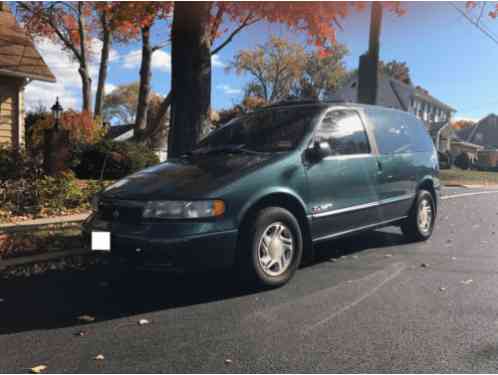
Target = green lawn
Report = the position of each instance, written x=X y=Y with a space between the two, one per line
x=468 y=177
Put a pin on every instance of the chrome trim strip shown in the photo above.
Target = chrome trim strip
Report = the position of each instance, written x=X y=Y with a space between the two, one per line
x=347 y=209
x=364 y=206
x=330 y=236
x=347 y=157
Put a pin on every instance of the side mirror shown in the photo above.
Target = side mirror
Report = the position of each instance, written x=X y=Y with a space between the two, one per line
x=318 y=151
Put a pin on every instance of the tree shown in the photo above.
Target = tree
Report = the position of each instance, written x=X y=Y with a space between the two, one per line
x=67 y=23
x=121 y=105
x=136 y=19
x=463 y=124
x=76 y=25
x=194 y=29
x=324 y=72
x=274 y=67
x=281 y=69
x=397 y=70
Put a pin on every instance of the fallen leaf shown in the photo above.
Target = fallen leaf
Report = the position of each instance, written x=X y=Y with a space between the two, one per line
x=143 y=322
x=38 y=369
x=99 y=357
x=86 y=318
x=442 y=289
x=228 y=361
x=467 y=282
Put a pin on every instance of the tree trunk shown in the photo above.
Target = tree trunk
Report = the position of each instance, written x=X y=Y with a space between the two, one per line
x=86 y=88
x=191 y=76
x=104 y=60
x=86 y=81
x=144 y=86
x=157 y=128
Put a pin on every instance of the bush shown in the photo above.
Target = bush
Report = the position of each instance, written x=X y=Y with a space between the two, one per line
x=17 y=165
x=45 y=195
x=113 y=160
x=463 y=161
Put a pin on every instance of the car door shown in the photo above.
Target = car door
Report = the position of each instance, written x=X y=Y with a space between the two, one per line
x=397 y=173
x=342 y=191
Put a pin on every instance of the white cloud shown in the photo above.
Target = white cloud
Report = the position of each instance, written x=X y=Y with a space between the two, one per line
x=65 y=69
x=109 y=87
x=228 y=90
x=132 y=59
x=161 y=61
x=464 y=118
x=216 y=62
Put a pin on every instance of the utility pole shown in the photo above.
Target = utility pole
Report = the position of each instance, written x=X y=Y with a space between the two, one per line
x=369 y=62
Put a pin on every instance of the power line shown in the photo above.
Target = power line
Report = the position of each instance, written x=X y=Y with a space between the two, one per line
x=476 y=24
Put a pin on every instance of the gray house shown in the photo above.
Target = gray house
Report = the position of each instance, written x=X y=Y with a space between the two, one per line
x=393 y=93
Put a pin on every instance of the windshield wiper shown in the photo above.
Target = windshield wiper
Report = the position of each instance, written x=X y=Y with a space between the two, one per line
x=229 y=149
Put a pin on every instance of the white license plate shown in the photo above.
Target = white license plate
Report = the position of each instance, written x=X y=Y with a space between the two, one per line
x=101 y=241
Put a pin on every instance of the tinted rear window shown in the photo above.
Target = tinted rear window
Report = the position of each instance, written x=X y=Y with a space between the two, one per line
x=398 y=132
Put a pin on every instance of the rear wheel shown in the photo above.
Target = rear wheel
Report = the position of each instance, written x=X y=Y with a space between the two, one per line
x=420 y=223
x=271 y=248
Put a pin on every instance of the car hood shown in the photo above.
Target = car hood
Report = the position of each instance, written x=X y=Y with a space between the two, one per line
x=185 y=178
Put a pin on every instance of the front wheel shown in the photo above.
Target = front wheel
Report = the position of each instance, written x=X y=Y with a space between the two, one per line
x=420 y=222
x=271 y=248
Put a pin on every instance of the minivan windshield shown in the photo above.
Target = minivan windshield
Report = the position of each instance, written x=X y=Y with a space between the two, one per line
x=271 y=130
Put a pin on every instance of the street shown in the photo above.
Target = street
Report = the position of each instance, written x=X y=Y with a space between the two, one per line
x=370 y=303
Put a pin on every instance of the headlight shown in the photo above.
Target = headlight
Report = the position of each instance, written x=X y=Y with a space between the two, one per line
x=184 y=209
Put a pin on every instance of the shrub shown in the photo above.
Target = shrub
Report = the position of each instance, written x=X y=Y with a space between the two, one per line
x=81 y=126
x=463 y=161
x=18 y=164
x=45 y=194
x=113 y=160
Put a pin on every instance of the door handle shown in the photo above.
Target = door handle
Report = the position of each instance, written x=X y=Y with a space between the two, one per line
x=379 y=165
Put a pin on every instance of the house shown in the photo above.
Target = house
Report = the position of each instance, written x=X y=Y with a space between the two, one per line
x=393 y=93
x=433 y=112
x=20 y=63
x=485 y=134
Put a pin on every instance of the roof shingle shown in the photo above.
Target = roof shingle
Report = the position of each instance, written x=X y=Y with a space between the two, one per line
x=18 y=55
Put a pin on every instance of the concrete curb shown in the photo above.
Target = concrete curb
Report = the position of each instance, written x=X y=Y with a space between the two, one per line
x=37 y=258
x=41 y=223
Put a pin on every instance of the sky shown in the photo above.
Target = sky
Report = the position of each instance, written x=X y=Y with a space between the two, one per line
x=446 y=54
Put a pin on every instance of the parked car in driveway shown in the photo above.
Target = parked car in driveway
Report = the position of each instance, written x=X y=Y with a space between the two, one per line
x=260 y=191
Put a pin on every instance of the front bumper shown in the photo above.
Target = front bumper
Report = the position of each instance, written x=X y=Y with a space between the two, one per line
x=153 y=245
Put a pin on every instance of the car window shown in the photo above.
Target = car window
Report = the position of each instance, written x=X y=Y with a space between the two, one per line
x=269 y=130
x=344 y=132
x=397 y=132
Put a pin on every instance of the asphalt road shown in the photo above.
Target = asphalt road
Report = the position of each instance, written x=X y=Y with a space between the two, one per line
x=366 y=305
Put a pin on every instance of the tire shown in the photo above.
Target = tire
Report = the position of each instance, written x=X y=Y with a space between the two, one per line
x=416 y=227
x=271 y=248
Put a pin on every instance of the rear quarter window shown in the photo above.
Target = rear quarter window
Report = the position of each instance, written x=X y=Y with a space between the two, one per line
x=398 y=132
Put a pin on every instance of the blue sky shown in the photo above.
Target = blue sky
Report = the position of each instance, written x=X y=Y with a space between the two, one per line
x=445 y=53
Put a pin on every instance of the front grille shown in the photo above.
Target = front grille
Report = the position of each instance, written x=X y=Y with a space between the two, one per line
x=120 y=212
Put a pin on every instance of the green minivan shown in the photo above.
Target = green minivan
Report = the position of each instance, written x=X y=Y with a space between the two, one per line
x=257 y=193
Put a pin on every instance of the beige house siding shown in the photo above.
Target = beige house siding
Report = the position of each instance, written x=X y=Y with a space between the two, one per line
x=11 y=111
